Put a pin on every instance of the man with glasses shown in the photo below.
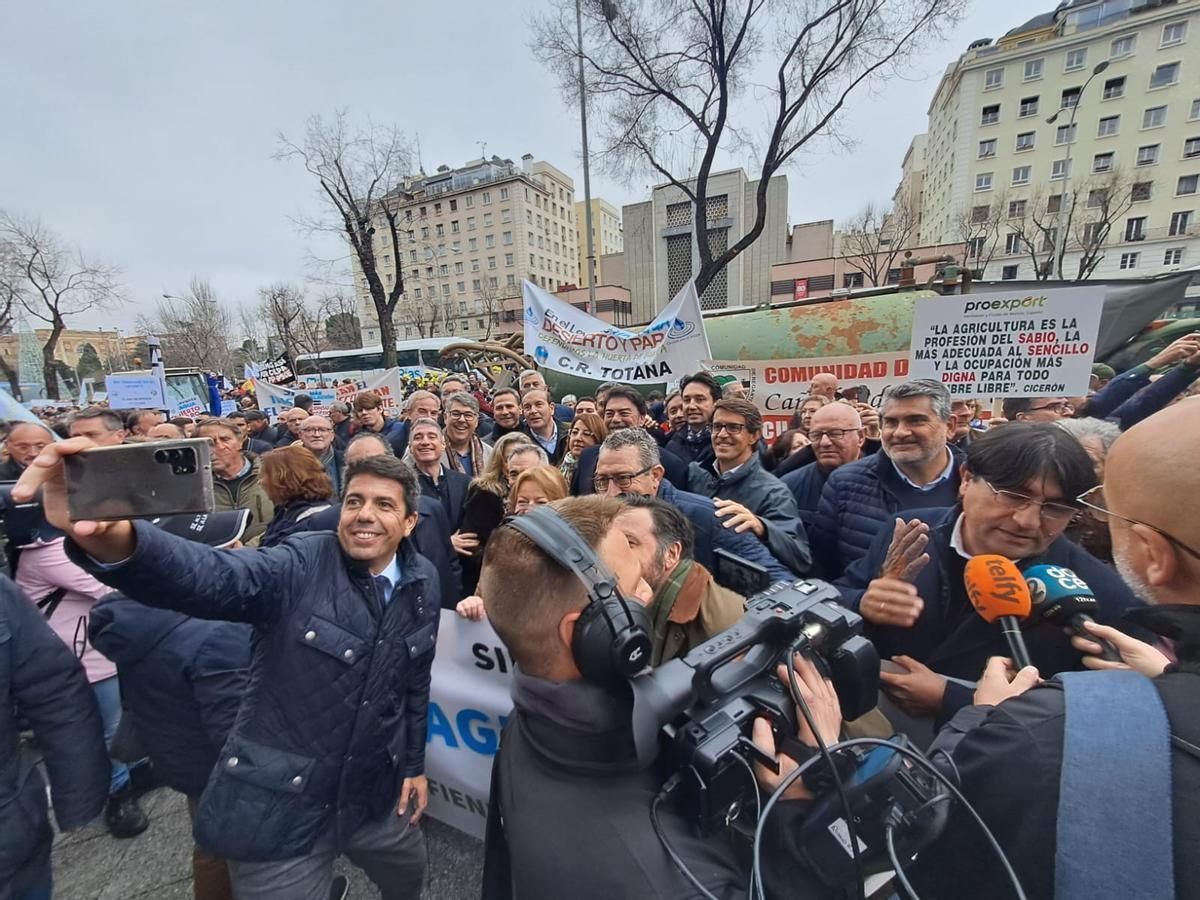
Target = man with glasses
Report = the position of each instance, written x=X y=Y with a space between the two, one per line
x=1037 y=409
x=748 y=499
x=1019 y=485
x=1156 y=542
x=916 y=469
x=837 y=439
x=465 y=452
x=25 y=441
x=317 y=435
x=629 y=463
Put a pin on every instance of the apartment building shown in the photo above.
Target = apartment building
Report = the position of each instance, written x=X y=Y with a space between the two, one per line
x=607 y=238
x=1084 y=122
x=661 y=253
x=469 y=237
x=910 y=193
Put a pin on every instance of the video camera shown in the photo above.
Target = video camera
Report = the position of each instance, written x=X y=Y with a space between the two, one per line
x=696 y=714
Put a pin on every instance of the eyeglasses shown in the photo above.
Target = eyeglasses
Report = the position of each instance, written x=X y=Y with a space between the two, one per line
x=1093 y=500
x=461 y=415
x=316 y=430
x=731 y=427
x=834 y=434
x=601 y=482
x=1061 y=408
x=1049 y=511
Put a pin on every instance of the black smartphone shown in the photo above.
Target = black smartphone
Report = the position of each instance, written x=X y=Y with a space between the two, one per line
x=137 y=481
x=740 y=575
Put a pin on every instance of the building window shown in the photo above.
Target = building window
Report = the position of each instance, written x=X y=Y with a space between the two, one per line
x=1114 y=88
x=486 y=198
x=1147 y=155
x=491 y=262
x=1191 y=148
x=975 y=247
x=470 y=223
x=453 y=206
x=506 y=238
x=992 y=79
x=990 y=116
x=487 y=220
x=1194 y=111
x=1135 y=229
x=459 y=268
x=1173 y=33
x=1076 y=59
x=1102 y=162
x=1186 y=185
x=454 y=229
x=1016 y=209
x=506 y=215
x=1012 y=243
x=503 y=193
x=979 y=214
x=1020 y=175
x=1025 y=141
x=1181 y=223
x=1094 y=233
x=983 y=181
x=1097 y=197
x=1140 y=191
x=508 y=259
x=852 y=280
x=461 y=287
x=1173 y=256
x=1060 y=168
x=1154 y=117
x=1064 y=134
x=1070 y=97
x=1129 y=260
x=987 y=148
x=1033 y=69
x=1164 y=75
x=1029 y=107
x=1009 y=273
x=1109 y=125
x=469 y=201
x=1054 y=203
x=1122 y=46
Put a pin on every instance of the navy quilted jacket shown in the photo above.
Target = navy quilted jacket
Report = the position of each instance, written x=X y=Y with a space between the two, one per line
x=857 y=502
x=334 y=716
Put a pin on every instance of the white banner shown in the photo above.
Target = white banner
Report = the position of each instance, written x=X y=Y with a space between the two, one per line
x=1008 y=345
x=135 y=391
x=274 y=399
x=778 y=387
x=469 y=702
x=565 y=339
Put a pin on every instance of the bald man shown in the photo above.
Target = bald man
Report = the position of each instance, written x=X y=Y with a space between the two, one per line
x=1156 y=544
x=837 y=436
x=824 y=384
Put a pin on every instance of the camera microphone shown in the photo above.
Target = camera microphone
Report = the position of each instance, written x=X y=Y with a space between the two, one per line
x=1062 y=598
x=999 y=594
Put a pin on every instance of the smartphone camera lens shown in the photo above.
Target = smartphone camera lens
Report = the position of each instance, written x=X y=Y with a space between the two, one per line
x=162 y=456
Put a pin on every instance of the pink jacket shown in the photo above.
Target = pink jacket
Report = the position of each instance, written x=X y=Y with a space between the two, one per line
x=44 y=568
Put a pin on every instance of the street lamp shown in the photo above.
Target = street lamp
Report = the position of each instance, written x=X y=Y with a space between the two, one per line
x=1060 y=239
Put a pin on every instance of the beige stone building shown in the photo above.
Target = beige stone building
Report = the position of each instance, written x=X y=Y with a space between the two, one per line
x=469 y=236
x=1085 y=114
x=116 y=351
x=606 y=237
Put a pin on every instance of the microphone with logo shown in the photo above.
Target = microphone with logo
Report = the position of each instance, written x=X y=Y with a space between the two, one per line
x=999 y=594
x=1062 y=598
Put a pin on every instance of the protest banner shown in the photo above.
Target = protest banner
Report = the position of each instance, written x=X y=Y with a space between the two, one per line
x=276 y=371
x=565 y=339
x=274 y=399
x=1016 y=344
x=135 y=391
x=228 y=406
x=469 y=702
x=188 y=406
x=778 y=386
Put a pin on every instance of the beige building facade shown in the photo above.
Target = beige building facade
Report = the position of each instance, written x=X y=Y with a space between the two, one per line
x=606 y=236
x=116 y=351
x=1087 y=115
x=468 y=238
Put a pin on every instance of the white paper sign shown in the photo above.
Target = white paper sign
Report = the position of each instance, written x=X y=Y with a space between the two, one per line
x=274 y=399
x=1018 y=344
x=565 y=339
x=135 y=392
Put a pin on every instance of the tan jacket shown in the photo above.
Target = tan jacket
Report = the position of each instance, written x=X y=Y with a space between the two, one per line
x=251 y=495
x=701 y=610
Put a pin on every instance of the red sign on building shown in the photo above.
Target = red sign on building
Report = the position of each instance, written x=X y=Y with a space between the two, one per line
x=801 y=289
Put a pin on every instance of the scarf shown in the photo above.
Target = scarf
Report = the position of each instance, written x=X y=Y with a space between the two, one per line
x=567 y=466
x=703 y=436
x=677 y=601
x=476 y=456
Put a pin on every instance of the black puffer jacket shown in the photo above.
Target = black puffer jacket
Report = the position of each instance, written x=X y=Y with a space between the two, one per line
x=43 y=683
x=334 y=717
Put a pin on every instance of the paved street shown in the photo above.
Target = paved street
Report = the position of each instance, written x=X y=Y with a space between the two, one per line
x=156 y=865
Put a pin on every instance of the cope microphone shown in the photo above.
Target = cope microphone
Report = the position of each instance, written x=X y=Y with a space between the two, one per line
x=1062 y=598
x=999 y=594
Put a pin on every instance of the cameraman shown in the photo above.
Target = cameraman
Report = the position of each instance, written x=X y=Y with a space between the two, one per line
x=570 y=806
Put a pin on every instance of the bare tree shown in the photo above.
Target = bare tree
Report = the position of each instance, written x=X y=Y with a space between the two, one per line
x=284 y=309
x=193 y=328
x=1106 y=201
x=52 y=281
x=979 y=228
x=10 y=281
x=357 y=169
x=875 y=237
x=669 y=81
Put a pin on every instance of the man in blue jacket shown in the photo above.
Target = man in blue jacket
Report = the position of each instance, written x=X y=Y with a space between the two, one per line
x=43 y=689
x=1019 y=487
x=327 y=754
x=629 y=464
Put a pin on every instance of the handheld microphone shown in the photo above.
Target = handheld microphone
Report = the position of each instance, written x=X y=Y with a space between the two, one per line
x=999 y=594
x=1062 y=598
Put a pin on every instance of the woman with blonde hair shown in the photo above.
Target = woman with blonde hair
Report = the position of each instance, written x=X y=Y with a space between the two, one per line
x=535 y=487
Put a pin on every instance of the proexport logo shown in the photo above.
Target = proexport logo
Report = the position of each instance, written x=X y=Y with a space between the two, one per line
x=1008 y=303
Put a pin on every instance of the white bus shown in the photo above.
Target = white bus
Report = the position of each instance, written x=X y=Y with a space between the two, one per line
x=412 y=357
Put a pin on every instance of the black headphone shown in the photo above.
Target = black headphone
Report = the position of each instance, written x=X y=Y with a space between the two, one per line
x=612 y=636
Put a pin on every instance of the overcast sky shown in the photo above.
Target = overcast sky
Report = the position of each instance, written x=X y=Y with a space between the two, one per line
x=144 y=131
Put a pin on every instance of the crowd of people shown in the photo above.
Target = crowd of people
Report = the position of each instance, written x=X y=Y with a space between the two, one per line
x=272 y=660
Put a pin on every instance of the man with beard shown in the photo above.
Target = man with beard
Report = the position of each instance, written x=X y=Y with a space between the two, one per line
x=465 y=452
